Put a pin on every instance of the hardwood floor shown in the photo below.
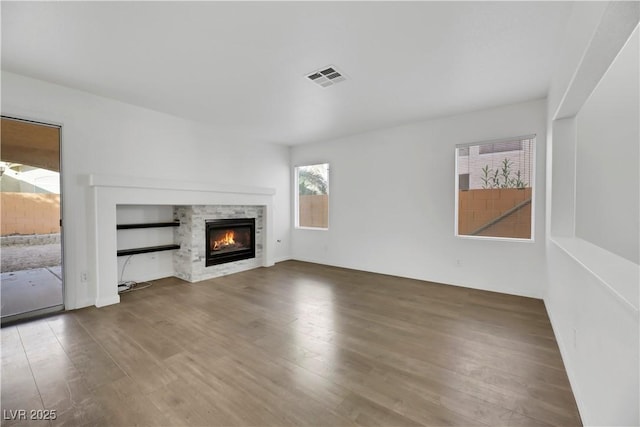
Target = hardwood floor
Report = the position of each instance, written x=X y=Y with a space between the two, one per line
x=295 y=344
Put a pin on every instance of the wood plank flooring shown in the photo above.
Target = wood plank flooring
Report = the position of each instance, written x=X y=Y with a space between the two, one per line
x=295 y=344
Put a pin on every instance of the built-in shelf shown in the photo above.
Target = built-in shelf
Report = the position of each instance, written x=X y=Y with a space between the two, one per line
x=148 y=225
x=147 y=249
x=136 y=251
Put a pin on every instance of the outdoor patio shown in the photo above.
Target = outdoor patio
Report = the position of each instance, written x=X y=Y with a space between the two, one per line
x=31 y=277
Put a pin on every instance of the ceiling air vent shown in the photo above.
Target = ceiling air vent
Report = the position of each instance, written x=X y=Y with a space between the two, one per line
x=327 y=76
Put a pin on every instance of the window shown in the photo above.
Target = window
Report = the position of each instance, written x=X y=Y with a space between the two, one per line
x=312 y=196
x=494 y=189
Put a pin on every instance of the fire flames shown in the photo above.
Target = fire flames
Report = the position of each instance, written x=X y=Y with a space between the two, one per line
x=227 y=240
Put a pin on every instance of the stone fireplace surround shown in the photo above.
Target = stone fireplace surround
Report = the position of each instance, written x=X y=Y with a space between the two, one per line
x=107 y=192
x=189 y=260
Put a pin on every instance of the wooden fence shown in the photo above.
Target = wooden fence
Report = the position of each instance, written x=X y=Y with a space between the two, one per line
x=314 y=211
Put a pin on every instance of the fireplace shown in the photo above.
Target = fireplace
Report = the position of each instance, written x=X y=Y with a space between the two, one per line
x=229 y=240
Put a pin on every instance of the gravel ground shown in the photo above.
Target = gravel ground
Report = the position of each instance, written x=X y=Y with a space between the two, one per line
x=21 y=257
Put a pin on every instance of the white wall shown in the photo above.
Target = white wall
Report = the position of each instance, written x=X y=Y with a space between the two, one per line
x=593 y=291
x=607 y=174
x=106 y=137
x=391 y=204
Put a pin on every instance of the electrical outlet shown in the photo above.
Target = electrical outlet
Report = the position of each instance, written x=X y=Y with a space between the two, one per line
x=84 y=276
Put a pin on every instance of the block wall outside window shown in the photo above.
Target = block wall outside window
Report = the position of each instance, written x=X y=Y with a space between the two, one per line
x=494 y=194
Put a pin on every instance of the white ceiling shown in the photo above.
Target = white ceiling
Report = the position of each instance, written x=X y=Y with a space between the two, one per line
x=242 y=65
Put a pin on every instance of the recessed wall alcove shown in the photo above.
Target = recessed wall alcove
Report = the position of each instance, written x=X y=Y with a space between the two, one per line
x=107 y=192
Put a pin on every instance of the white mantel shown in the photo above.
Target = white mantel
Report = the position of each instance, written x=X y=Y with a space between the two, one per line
x=109 y=191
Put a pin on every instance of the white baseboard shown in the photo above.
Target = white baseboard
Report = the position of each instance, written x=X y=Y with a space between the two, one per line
x=515 y=292
x=80 y=304
x=567 y=367
x=101 y=302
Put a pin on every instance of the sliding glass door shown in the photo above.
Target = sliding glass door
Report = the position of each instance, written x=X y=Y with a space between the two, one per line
x=31 y=234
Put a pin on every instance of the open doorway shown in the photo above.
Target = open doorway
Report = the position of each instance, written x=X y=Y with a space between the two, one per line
x=30 y=224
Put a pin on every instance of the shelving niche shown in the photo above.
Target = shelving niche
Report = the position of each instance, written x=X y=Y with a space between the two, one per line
x=143 y=217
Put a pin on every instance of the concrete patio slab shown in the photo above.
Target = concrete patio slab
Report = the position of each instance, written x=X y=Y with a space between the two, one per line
x=29 y=290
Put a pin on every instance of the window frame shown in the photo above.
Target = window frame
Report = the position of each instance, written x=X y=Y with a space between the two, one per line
x=533 y=185
x=296 y=196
